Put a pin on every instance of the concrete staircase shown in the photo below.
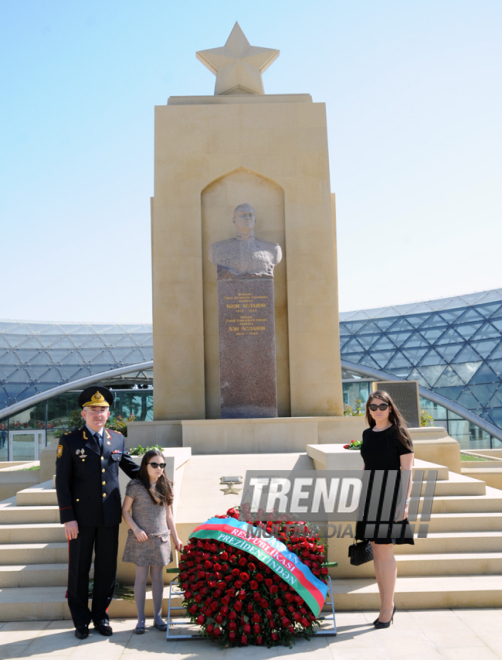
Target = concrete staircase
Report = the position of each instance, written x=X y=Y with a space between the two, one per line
x=459 y=564
x=33 y=560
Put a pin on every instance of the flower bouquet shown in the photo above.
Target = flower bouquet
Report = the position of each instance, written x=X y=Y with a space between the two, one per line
x=353 y=444
x=241 y=592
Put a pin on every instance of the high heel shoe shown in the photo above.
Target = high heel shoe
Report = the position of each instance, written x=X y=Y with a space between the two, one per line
x=385 y=624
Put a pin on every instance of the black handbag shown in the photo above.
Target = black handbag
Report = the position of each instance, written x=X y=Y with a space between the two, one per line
x=360 y=553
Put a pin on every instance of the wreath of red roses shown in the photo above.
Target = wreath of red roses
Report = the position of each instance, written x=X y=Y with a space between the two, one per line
x=238 y=600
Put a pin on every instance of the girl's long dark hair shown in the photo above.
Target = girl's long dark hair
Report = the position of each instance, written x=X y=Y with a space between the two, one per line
x=395 y=417
x=162 y=492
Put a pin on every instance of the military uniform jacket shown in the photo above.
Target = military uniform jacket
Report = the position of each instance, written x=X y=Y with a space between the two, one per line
x=87 y=479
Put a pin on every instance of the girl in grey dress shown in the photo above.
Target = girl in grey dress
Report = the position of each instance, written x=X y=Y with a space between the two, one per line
x=147 y=511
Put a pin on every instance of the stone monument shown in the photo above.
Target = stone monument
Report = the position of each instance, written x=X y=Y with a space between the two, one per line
x=246 y=323
x=212 y=154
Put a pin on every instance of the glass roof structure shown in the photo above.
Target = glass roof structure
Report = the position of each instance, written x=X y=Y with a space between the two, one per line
x=37 y=357
x=451 y=346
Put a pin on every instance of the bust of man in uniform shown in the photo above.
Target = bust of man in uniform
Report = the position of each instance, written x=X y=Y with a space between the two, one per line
x=244 y=256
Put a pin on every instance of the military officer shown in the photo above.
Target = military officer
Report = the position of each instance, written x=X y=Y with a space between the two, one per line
x=87 y=486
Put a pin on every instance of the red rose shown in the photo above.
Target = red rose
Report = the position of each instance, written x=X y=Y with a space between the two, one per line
x=193 y=609
x=224 y=556
x=257 y=596
x=274 y=589
x=253 y=584
x=238 y=584
x=217 y=632
x=259 y=640
x=304 y=622
x=346 y=446
x=242 y=561
x=235 y=572
x=200 y=619
x=269 y=614
x=268 y=582
x=256 y=618
x=251 y=567
x=247 y=628
x=297 y=616
x=244 y=577
x=232 y=616
x=244 y=640
x=324 y=570
x=198 y=598
x=218 y=618
x=231 y=636
x=291 y=630
x=241 y=595
x=264 y=604
x=259 y=577
x=238 y=606
x=209 y=628
x=224 y=610
x=232 y=625
x=285 y=622
x=275 y=636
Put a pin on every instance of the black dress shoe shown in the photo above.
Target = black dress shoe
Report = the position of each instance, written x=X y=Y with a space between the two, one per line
x=104 y=628
x=385 y=624
x=82 y=632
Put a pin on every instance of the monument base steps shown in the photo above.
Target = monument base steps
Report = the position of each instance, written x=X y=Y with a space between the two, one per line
x=459 y=564
x=489 y=472
x=49 y=604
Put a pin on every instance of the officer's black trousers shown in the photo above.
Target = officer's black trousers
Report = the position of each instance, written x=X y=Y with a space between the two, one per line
x=104 y=541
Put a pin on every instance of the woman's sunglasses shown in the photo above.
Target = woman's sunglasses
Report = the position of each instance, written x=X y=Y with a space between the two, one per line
x=382 y=406
x=157 y=465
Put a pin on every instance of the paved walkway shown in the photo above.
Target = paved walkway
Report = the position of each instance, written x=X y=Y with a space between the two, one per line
x=451 y=634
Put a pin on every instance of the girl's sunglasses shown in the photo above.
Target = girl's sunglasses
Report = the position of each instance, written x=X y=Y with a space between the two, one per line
x=372 y=406
x=157 y=465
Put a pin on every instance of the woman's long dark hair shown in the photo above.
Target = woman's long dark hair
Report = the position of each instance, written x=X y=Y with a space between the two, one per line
x=162 y=492
x=395 y=417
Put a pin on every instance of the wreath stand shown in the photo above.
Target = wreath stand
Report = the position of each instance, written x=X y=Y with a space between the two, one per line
x=175 y=590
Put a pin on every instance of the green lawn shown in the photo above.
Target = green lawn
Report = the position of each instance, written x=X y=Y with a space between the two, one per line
x=466 y=457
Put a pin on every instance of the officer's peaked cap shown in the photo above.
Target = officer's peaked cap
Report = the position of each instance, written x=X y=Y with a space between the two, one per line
x=95 y=396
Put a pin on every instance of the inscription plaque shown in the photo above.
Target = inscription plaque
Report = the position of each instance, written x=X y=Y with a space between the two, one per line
x=405 y=396
x=246 y=323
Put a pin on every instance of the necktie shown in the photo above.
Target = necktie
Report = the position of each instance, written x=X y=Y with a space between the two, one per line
x=99 y=441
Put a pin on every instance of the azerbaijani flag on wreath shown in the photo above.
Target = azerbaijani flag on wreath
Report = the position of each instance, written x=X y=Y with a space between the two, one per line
x=272 y=552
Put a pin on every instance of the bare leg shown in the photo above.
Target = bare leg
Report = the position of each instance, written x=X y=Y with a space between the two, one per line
x=386 y=568
x=377 y=572
x=140 y=593
x=157 y=592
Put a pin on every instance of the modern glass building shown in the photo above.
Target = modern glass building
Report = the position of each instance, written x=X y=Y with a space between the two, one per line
x=452 y=347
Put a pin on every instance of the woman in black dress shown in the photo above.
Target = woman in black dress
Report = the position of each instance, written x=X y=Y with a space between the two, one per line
x=387 y=447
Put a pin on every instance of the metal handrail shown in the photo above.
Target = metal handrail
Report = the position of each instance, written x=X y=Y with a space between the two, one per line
x=430 y=396
x=81 y=383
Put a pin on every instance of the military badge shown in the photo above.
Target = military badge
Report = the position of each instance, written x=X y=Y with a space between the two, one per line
x=81 y=453
x=60 y=451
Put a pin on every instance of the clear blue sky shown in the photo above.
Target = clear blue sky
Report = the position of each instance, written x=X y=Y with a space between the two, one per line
x=414 y=104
